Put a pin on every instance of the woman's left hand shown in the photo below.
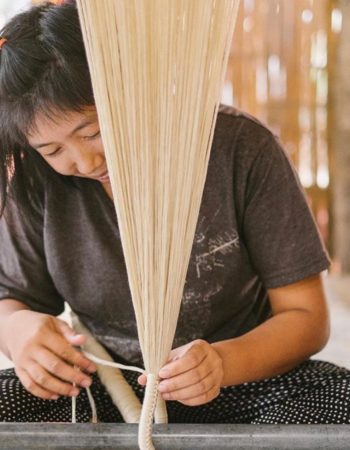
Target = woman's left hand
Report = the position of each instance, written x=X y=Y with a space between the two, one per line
x=193 y=374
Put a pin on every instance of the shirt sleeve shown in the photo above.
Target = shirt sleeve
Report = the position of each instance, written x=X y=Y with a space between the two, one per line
x=278 y=227
x=23 y=272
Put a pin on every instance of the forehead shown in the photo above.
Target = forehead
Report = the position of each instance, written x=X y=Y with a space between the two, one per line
x=59 y=123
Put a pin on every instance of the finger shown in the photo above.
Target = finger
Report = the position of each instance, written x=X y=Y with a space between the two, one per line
x=72 y=337
x=65 y=329
x=77 y=340
x=185 y=379
x=142 y=379
x=61 y=369
x=203 y=398
x=192 y=391
x=32 y=387
x=176 y=353
x=57 y=344
x=191 y=359
x=50 y=383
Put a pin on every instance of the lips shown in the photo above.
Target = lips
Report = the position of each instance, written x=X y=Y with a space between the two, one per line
x=104 y=177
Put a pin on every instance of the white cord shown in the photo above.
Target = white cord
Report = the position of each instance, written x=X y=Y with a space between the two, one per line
x=113 y=364
x=146 y=421
x=74 y=410
x=94 y=418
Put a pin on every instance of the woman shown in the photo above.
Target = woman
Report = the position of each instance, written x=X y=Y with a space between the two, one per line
x=253 y=309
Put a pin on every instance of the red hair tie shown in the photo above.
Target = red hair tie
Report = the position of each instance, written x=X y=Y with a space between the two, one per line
x=2 y=42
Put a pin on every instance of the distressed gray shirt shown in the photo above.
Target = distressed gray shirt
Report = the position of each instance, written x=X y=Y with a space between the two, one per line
x=254 y=232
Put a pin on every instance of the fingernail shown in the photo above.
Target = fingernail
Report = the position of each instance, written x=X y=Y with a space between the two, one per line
x=55 y=397
x=86 y=383
x=92 y=368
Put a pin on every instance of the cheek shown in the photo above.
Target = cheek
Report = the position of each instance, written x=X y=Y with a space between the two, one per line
x=97 y=147
x=60 y=165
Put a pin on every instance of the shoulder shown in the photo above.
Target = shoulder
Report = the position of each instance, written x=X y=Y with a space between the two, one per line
x=241 y=123
x=246 y=140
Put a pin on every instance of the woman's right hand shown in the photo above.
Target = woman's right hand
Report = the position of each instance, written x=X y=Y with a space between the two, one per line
x=42 y=350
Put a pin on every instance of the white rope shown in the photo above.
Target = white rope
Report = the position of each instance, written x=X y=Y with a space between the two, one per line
x=113 y=364
x=74 y=409
x=120 y=391
x=146 y=421
x=113 y=380
x=94 y=418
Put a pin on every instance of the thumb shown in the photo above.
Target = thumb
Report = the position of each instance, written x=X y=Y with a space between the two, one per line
x=178 y=352
x=142 y=379
x=68 y=333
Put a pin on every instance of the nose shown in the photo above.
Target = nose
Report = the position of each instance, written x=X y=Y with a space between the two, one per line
x=87 y=161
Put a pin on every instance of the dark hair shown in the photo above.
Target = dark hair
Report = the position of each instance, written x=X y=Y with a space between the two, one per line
x=43 y=69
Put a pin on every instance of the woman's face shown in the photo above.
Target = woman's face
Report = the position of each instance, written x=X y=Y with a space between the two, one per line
x=71 y=144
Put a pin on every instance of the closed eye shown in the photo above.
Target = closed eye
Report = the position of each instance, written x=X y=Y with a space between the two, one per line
x=55 y=152
x=93 y=136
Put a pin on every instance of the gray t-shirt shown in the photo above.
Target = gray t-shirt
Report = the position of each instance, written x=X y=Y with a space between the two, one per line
x=254 y=232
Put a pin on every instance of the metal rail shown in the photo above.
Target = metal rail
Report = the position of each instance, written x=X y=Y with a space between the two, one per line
x=31 y=436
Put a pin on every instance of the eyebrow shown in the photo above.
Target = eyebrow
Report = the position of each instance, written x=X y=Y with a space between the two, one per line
x=82 y=125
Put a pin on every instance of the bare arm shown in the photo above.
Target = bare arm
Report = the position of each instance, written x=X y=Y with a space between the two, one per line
x=42 y=350
x=8 y=307
x=298 y=328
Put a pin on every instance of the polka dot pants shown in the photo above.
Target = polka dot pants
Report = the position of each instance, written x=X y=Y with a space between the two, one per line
x=315 y=392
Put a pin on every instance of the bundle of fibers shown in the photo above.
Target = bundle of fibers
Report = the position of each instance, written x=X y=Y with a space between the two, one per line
x=157 y=69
